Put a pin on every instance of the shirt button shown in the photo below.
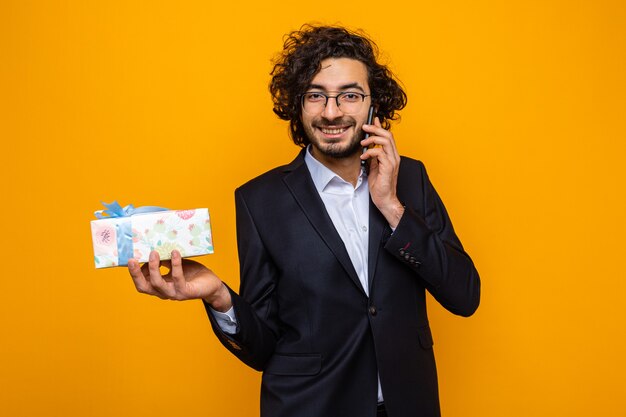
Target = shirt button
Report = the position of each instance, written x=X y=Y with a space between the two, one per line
x=364 y=228
x=373 y=310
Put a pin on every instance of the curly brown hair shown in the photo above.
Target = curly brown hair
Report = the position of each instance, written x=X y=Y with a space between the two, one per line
x=299 y=62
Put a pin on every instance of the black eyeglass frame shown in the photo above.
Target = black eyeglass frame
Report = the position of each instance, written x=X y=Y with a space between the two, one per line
x=336 y=97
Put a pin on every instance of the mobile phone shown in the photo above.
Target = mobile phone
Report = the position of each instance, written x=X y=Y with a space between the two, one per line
x=365 y=163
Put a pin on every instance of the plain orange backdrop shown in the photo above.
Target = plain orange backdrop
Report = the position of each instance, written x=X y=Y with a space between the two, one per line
x=517 y=109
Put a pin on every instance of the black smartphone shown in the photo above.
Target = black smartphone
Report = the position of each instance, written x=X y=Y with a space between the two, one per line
x=365 y=163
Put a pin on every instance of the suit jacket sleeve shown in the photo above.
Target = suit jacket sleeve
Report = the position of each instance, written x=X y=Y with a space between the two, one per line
x=426 y=242
x=255 y=309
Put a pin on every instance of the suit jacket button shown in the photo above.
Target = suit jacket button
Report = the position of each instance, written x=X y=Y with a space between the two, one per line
x=401 y=252
x=407 y=256
x=373 y=310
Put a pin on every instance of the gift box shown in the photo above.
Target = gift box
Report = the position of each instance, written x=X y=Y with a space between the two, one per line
x=122 y=233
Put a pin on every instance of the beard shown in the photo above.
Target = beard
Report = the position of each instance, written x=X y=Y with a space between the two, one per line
x=334 y=148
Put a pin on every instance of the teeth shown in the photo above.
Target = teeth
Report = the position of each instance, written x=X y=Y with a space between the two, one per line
x=333 y=131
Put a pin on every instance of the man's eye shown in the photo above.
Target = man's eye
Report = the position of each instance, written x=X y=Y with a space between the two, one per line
x=314 y=97
x=350 y=97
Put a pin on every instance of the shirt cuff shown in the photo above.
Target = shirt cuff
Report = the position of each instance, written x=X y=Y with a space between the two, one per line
x=227 y=320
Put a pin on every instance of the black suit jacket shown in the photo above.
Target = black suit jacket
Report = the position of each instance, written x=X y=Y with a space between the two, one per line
x=304 y=318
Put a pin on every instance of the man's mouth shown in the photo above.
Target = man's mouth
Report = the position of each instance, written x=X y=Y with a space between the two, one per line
x=333 y=131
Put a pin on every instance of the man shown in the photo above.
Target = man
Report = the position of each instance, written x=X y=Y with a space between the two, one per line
x=335 y=259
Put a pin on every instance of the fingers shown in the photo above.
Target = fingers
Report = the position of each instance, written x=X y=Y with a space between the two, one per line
x=176 y=272
x=142 y=285
x=382 y=138
x=154 y=267
x=185 y=280
x=162 y=284
x=380 y=160
x=148 y=278
x=384 y=155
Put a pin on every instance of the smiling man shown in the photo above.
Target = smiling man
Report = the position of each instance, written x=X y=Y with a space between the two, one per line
x=334 y=131
x=335 y=259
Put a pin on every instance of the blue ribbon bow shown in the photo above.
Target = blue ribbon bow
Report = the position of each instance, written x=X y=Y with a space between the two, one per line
x=124 y=228
x=115 y=210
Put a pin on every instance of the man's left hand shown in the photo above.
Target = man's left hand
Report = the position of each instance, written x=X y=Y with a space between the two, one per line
x=384 y=161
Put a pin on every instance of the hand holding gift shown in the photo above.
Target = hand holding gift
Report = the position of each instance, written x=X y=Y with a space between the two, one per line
x=185 y=280
x=128 y=235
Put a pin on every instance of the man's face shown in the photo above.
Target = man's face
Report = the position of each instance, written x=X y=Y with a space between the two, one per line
x=333 y=133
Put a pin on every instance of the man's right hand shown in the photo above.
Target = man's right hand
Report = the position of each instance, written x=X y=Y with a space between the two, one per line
x=186 y=280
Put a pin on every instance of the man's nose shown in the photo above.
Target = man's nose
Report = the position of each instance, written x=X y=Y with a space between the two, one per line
x=332 y=110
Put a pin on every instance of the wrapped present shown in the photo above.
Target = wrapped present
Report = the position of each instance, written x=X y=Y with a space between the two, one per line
x=122 y=233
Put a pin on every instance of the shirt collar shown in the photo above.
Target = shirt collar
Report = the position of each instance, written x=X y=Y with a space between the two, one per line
x=321 y=175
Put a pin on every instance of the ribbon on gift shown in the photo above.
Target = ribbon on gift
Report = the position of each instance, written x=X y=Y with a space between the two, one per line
x=124 y=228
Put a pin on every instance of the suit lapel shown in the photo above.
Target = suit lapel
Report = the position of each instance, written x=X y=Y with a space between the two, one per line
x=299 y=182
x=377 y=228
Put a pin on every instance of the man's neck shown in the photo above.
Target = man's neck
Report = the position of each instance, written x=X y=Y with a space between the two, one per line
x=348 y=168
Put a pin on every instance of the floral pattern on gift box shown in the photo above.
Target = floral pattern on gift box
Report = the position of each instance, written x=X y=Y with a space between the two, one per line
x=188 y=231
x=165 y=249
x=104 y=238
x=185 y=214
x=104 y=261
x=104 y=235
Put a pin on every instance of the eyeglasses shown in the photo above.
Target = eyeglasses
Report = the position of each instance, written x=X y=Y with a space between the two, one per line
x=349 y=102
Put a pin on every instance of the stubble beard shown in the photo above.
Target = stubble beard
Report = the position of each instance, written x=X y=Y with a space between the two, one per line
x=334 y=149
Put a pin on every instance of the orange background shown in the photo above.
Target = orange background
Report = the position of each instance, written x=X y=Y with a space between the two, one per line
x=517 y=109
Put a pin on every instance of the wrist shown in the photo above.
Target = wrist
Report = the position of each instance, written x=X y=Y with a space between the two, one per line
x=220 y=301
x=393 y=212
